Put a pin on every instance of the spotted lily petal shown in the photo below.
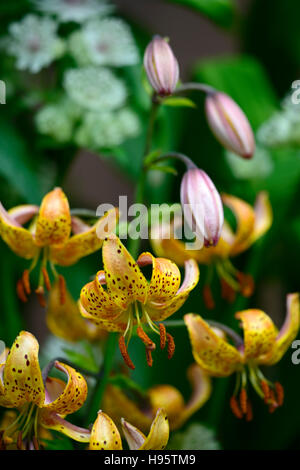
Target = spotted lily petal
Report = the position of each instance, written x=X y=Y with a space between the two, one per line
x=157 y=438
x=73 y=395
x=165 y=279
x=105 y=434
x=259 y=333
x=54 y=220
x=24 y=213
x=22 y=376
x=213 y=354
x=50 y=420
x=85 y=242
x=19 y=239
x=125 y=281
x=287 y=333
x=161 y=310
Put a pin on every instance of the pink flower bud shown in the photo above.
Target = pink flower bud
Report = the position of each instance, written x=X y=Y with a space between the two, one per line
x=202 y=206
x=161 y=66
x=229 y=124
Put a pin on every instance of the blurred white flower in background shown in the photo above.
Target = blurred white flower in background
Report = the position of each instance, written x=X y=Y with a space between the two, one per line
x=34 y=43
x=283 y=128
x=95 y=88
x=107 y=129
x=108 y=42
x=74 y=10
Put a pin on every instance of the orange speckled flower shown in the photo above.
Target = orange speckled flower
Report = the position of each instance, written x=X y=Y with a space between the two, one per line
x=105 y=434
x=141 y=411
x=49 y=235
x=39 y=401
x=120 y=296
x=262 y=345
x=251 y=224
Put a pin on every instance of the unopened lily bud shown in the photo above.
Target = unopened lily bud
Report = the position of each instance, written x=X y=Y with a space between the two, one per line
x=229 y=124
x=161 y=66
x=202 y=206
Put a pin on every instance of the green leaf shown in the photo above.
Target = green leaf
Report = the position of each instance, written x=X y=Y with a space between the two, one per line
x=177 y=101
x=222 y=12
x=164 y=169
x=85 y=361
x=195 y=437
x=151 y=157
x=245 y=80
x=15 y=164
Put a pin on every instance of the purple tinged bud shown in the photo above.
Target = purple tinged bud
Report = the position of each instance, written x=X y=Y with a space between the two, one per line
x=229 y=124
x=202 y=206
x=161 y=66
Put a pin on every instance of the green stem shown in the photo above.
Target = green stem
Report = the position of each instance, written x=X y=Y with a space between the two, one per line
x=134 y=245
x=101 y=382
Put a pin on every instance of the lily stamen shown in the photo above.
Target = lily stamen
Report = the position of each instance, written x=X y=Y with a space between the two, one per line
x=21 y=291
x=163 y=335
x=235 y=408
x=124 y=352
x=171 y=346
x=46 y=278
x=26 y=281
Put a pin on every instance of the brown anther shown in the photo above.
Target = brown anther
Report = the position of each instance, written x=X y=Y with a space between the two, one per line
x=272 y=402
x=163 y=335
x=243 y=401
x=246 y=283
x=46 y=278
x=149 y=357
x=2 y=443
x=41 y=296
x=208 y=297
x=171 y=346
x=35 y=443
x=145 y=338
x=124 y=352
x=19 y=441
x=235 y=407
x=266 y=390
x=227 y=292
x=26 y=281
x=279 y=393
x=62 y=289
x=249 y=414
x=21 y=291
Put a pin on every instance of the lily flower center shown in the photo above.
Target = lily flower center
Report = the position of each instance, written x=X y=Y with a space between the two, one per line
x=23 y=431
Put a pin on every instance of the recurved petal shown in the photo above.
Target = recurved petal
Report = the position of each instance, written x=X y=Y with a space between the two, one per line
x=53 y=225
x=50 y=420
x=213 y=354
x=24 y=213
x=259 y=333
x=201 y=387
x=161 y=310
x=245 y=219
x=65 y=398
x=105 y=434
x=22 y=375
x=125 y=281
x=287 y=333
x=165 y=279
x=158 y=436
x=19 y=239
x=263 y=216
x=85 y=242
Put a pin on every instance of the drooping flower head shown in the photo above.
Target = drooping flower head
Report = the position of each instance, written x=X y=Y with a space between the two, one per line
x=34 y=43
x=105 y=434
x=52 y=235
x=141 y=410
x=120 y=296
x=262 y=345
x=251 y=224
x=41 y=401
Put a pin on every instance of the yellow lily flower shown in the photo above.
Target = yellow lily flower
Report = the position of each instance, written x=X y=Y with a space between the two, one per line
x=105 y=434
x=117 y=404
x=129 y=299
x=262 y=345
x=252 y=223
x=66 y=322
x=49 y=236
x=40 y=401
